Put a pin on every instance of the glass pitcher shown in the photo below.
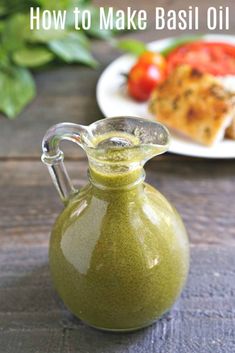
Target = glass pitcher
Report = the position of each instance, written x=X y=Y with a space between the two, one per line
x=119 y=251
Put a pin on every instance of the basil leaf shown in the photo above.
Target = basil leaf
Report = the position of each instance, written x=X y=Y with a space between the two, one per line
x=32 y=57
x=132 y=46
x=95 y=30
x=8 y=7
x=80 y=2
x=70 y=49
x=55 y=4
x=81 y=37
x=175 y=43
x=2 y=26
x=4 y=58
x=3 y=10
x=15 y=32
x=17 y=89
x=44 y=36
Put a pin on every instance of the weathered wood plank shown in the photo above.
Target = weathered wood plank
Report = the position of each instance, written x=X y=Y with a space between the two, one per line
x=202 y=191
x=29 y=341
x=203 y=320
x=182 y=335
x=25 y=271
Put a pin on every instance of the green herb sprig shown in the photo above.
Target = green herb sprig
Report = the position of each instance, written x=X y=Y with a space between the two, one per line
x=23 y=50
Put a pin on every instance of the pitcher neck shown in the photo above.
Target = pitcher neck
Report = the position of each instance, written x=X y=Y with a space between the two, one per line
x=116 y=180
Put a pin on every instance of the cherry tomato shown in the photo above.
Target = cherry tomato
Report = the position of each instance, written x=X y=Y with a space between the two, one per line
x=156 y=59
x=210 y=57
x=142 y=79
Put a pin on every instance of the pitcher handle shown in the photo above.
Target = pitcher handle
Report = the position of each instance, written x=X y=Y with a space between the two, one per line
x=53 y=157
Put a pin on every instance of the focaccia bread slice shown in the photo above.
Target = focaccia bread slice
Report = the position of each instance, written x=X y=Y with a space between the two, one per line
x=230 y=132
x=195 y=104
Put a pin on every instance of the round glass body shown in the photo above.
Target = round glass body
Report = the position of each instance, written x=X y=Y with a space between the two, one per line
x=119 y=251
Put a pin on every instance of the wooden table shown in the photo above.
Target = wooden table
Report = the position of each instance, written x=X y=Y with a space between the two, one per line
x=32 y=318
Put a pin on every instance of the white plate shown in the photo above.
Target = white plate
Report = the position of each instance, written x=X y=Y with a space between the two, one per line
x=114 y=101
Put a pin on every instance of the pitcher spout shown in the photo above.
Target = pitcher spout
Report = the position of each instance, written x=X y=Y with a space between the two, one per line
x=127 y=140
